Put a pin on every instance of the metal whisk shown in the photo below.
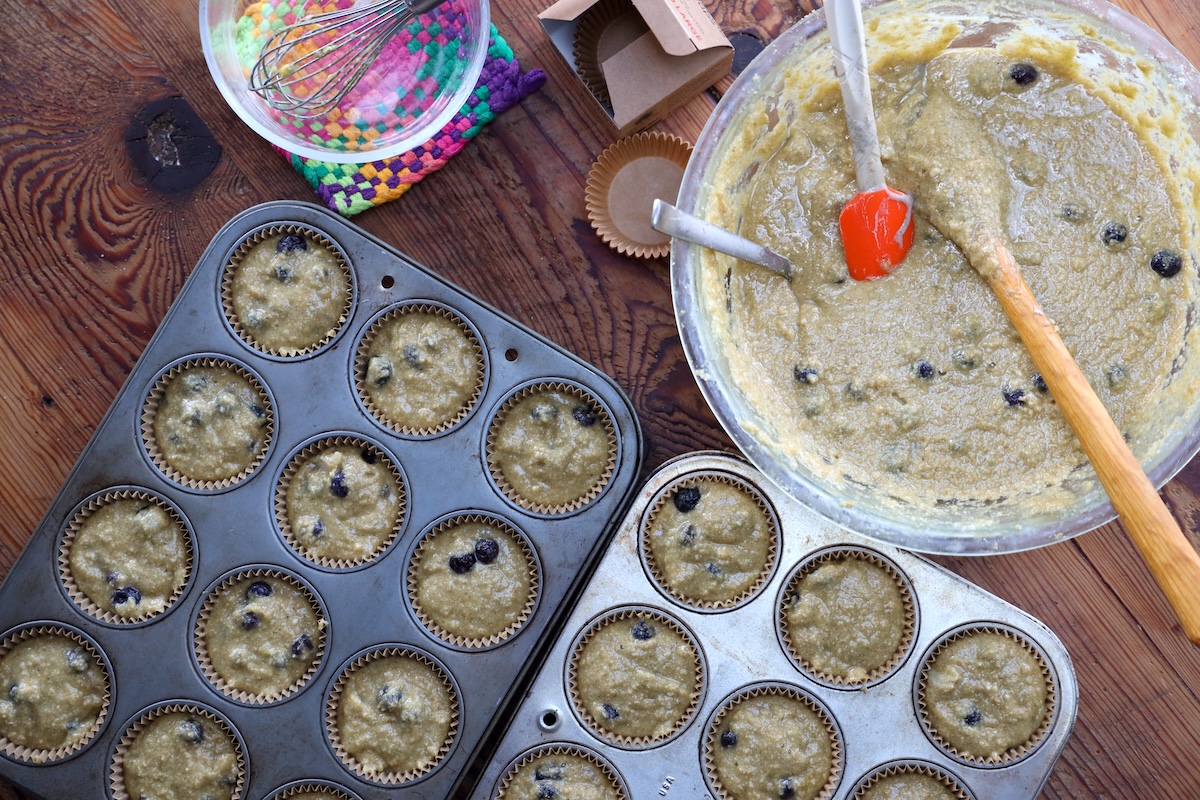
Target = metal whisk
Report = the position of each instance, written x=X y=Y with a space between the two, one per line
x=306 y=68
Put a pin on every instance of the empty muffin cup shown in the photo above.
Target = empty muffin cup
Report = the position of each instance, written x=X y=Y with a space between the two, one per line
x=287 y=290
x=57 y=692
x=847 y=616
x=986 y=695
x=710 y=541
x=636 y=677
x=340 y=501
x=260 y=635
x=419 y=369
x=126 y=556
x=207 y=423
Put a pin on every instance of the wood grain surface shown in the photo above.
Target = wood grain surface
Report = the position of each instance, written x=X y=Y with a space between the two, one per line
x=91 y=257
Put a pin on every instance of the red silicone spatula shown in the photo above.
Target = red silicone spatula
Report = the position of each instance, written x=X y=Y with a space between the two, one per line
x=876 y=224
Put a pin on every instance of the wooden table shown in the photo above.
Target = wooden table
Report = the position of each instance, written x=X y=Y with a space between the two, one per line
x=92 y=257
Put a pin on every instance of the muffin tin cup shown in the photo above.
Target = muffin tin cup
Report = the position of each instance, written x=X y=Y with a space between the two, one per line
x=910 y=767
x=234 y=263
x=116 y=772
x=200 y=635
x=602 y=765
x=70 y=533
x=234 y=526
x=878 y=724
x=31 y=755
x=154 y=398
x=298 y=788
x=362 y=357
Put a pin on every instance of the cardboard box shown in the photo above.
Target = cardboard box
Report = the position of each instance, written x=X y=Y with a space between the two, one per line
x=648 y=69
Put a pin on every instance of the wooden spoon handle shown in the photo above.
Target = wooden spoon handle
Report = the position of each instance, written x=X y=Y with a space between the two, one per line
x=1170 y=556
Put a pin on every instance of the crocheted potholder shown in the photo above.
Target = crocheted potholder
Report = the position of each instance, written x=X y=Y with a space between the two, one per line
x=352 y=188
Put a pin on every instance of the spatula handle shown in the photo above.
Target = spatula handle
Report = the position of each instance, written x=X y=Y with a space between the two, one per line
x=844 y=19
x=1170 y=556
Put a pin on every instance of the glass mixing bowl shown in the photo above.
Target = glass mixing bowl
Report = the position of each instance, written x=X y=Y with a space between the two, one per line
x=415 y=87
x=1107 y=39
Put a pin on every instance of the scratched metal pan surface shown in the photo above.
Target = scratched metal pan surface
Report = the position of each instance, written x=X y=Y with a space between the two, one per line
x=232 y=528
x=878 y=722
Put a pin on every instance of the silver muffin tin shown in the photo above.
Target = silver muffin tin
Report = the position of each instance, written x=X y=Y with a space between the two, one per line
x=235 y=528
x=878 y=724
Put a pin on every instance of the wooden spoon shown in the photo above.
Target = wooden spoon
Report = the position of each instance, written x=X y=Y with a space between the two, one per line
x=876 y=225
x=1170 y=556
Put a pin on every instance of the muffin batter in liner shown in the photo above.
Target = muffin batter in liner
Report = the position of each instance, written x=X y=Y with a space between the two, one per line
x=302 y=790
x=578 y=702
x=81 y=516
x=655 y=569
x=432 y=624
x=601 y=418
x=712 y=737
x=910 y=768
x=154 y=400
x=363 y=355
x=32 y=755
x=1013 y=754
x=235 y=262
x=605 y=769
x=289 y=473
x=200 y=639
x=351 y=762
x=907 y=634
x=117 y=767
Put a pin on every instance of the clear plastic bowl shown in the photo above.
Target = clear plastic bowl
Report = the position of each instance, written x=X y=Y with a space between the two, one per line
x=1119 y=40
x=420 y=81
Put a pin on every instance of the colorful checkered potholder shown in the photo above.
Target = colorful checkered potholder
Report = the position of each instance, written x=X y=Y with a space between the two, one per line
x=418 y=49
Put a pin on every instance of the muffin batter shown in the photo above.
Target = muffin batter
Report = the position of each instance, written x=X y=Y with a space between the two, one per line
x=51 y=693
x=636 y=677
x=211 y=424
x=710 y=542
x=985 y=694
x=845 y=618
x=423 y=371
x=394 y=715
x=343 y=503
x=770 y=746
x=181 y=756
x=262 y=635
x=553 y=448
x=473 y=581
x=289 y=292
x=129 y=557
x=917 y=385
x=908 y=786
x=561 y=775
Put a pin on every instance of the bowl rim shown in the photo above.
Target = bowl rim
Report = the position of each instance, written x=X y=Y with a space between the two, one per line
x=934 y=537
x=238 y=101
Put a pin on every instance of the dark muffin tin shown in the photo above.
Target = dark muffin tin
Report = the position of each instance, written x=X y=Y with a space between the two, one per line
x=743 y=647
x=313 y=395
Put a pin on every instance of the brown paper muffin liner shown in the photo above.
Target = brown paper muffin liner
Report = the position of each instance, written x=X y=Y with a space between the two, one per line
x=810 y=565
x=298 y=788
x=552 y=749
x=117 y=768
x=656 y=506
x=32 y=755
x=200 y=641
x=589 y=720
x=608 y=25
x=1014 y=754
x=235 y=262
x=85 y=603
x=335 y=739
x=711 y=737
x=623 y=185
x=360 y=369
x=602 y=418
x=431 y=624
x=870 y=780
x=285 y=480
x=155 y=397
